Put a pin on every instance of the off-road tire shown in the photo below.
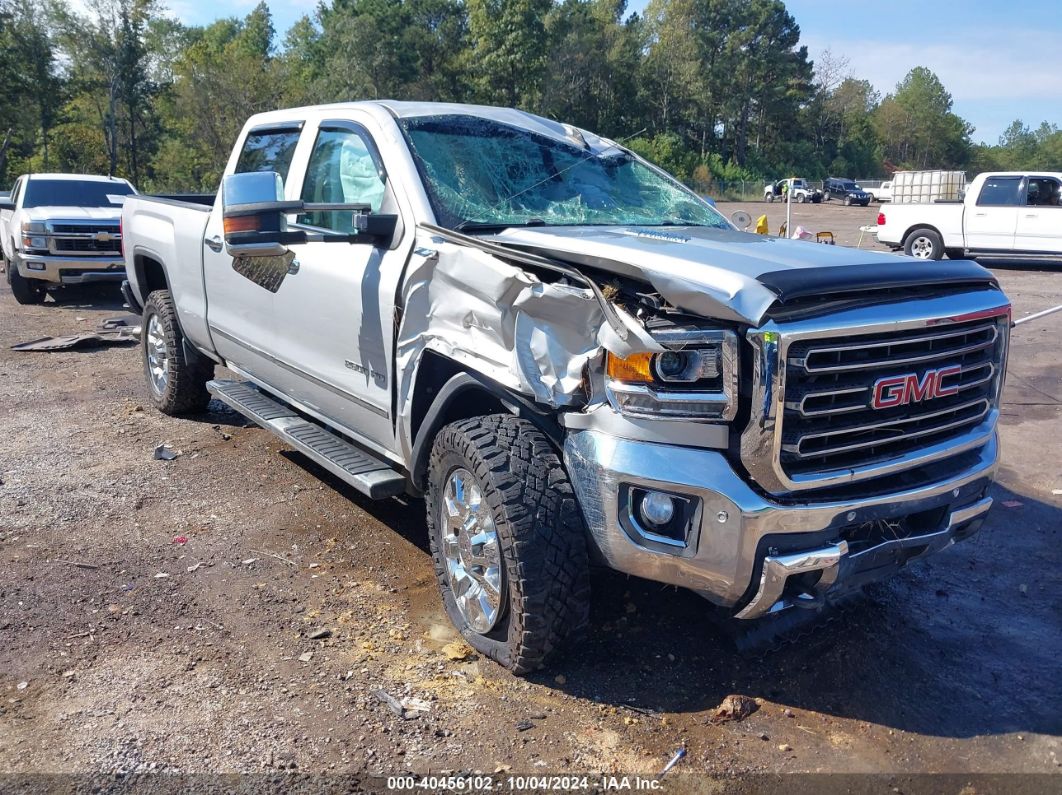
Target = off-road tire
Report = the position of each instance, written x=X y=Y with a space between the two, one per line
x=540 y=531
x=925 y=240
x=185 y=391
x=26 y=291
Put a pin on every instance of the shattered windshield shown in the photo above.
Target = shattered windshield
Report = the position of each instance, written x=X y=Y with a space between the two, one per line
x=481 y=173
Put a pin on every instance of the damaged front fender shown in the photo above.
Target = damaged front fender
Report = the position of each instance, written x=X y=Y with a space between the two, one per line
x=494 y=317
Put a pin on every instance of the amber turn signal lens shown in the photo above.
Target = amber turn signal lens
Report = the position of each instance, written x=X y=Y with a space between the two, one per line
x=634 y=368
x=241 y=223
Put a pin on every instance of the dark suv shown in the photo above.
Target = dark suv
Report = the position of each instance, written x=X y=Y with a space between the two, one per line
x=846 y=190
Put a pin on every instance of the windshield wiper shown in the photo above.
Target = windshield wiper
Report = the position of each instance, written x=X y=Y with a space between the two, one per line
x=486 y=226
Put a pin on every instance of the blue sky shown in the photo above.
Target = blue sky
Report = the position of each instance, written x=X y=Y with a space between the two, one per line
x=1000 y=61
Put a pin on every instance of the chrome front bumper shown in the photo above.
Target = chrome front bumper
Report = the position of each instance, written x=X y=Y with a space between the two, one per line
x=71 y=270
x=739 y=532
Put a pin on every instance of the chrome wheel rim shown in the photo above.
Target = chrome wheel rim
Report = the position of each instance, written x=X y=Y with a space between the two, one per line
x=472 y=552
x=922 y=248
x=158 y=356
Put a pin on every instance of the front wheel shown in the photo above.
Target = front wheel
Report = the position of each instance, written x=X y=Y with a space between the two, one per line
x=924 y=244
x=769 y=198
x=26 y=291
x=176 y=374
x=801 y=198
x=507 y=540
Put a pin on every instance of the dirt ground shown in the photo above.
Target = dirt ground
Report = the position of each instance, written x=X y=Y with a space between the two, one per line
x=124 y=649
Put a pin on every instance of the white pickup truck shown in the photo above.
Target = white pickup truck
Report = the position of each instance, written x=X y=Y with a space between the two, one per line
x=58 y=229
x=1003 y=214
x=882 y=193
x=573 y=358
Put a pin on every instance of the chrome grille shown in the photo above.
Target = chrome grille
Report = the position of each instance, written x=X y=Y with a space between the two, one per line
x=828 y=422
x=82 y=238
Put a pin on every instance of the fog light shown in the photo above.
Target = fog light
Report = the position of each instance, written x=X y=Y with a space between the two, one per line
x=658 y=508
x=35 y=266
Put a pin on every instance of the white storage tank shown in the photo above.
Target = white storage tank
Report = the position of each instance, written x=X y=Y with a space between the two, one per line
x=924 y=187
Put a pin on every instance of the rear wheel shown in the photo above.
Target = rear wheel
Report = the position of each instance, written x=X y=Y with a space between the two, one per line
x=176 y=374
x=507 y=540
x=769 y=198
x=26 y=291
x=924 y=244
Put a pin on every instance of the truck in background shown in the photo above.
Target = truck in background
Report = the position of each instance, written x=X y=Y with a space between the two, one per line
x=802 y=191
x=1003 y=214
x=58 y=229
x=882 y=193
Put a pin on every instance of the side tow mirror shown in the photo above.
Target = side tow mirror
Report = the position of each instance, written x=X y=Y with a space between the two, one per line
x=7 y=204
x=255 y=218
x=254 y=214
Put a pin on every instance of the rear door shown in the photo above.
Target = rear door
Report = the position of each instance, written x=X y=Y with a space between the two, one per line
x=334 y=314
x=1040 y=219
x=240 y=299
x=990 y=223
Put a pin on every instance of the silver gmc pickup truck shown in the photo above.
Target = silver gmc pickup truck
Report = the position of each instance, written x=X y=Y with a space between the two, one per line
x=575 y=360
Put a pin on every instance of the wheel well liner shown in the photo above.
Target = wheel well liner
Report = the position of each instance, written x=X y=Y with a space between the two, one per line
x=150 y=276
x=460 y=394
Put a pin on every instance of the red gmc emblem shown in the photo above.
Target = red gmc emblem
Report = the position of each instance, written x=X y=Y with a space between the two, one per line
x=899 y=390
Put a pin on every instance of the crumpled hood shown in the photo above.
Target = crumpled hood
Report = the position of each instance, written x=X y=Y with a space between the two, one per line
x=73 y=213
x=715 y=273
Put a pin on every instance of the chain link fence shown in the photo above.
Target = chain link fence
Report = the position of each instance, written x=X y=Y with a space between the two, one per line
x=753 y=191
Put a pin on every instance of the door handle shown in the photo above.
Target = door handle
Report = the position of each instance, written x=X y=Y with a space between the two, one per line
x=215 y=243
x=1031 y=215
x=980 y=215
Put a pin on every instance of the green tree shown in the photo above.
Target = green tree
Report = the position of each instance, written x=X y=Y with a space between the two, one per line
x=917 y=126
x=506 y=56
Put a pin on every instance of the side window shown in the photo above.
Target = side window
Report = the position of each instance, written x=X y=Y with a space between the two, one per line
x=1000 y=192
x=342 y=170
x=1043 y=192
x=268 y=150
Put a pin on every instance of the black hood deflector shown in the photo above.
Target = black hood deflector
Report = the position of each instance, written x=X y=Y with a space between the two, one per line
x=799 y=284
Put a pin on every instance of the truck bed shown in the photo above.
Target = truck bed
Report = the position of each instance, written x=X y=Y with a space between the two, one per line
x=170 y=231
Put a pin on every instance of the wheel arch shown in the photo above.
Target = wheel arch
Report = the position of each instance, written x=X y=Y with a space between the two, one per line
x=914 y=228
x=150 y=275
x=446 y=392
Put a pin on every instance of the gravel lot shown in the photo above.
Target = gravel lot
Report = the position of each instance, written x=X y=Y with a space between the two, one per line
x=124 y=649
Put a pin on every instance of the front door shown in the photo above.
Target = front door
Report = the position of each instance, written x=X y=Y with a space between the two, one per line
x=991 y=222
x=240 y=310
x=1040 y=220
x=333 y=314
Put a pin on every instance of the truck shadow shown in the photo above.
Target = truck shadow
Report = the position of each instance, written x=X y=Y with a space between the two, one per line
x=961 y=644
x=104 y=297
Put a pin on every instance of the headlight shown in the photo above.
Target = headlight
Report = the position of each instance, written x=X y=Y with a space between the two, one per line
x=695 y=378
x=33 y=235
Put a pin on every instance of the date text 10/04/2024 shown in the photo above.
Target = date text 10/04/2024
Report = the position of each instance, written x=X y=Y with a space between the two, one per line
x=476 y=784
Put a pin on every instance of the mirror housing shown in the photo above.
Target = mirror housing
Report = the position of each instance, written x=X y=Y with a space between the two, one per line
x=7 y=204
x=255 y=215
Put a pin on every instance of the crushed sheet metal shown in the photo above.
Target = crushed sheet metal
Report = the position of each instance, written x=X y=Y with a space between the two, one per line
x=503 y=322
x=88 y=339
x=708 y=272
